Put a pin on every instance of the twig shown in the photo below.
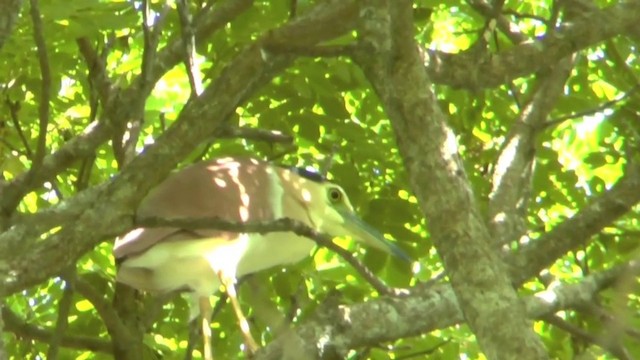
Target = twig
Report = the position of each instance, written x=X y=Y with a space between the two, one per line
x=423 y=353
x=518 y=15
x=243 y=132
x=13 y=323
x=45 y=71
x=279 y=225
x=64 y=307
x=328 y=163
x=12 y=147
x=617 y=350
x=293 y=9
x=271 y=136
x=14 y=109
x=327 y=51
x=150 y=44
x=117 y=111
x=605 y=316
x=98 y=79
x=189 y=42
x=587 y=112
x=103 y=308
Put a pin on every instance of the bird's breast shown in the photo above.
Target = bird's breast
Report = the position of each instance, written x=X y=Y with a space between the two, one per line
x=264 y=251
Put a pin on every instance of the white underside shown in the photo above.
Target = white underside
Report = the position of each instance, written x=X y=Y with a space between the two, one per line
x=195 y=264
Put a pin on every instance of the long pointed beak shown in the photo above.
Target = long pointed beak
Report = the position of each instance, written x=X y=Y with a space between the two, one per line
x=363 y=232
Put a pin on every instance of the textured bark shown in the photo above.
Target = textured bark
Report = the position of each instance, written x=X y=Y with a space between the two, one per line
x=513 y=171
x=336 y=330
x=104 y=211
x=8 y=18
x=107 y=210
x=389 y=56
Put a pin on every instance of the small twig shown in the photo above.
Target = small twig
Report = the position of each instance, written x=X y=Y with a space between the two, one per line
x=84 y=172
x=311 y=51
x=12 y=147
x=99 y=84
x=587 y=112
x=163 y=121
x=423 y=353
x=518 y=15
x=605 y=316
x=45 y=71
x=270 y=136
x=64 y=306
x=328 y=163
x=293 y=9
x=14 y=109
x=279 y=225
x=189 y=42
x=248 y=133
x=618 y=350
x=102 y=306
x=150 y=44
x=13 y=323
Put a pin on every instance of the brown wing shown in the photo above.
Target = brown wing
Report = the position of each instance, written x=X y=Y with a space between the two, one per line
x=234 y=189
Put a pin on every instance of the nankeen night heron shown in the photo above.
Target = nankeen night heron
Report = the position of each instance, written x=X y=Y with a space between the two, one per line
x=167 y=259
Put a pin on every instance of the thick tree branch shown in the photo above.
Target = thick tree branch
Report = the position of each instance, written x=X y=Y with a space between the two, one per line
x=443 y=68
x=509 y=197
x=391 y=62
x=424 y=310
x=120 y=107
x=463 y=70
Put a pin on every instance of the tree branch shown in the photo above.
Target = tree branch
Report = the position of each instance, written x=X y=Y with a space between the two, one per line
x=446 y=69
x=529 y=57
x=189 y=41
x=255 y=134
x=120 y=106
x=107 y=210
x=62 y=322
x=263 y=227
x=13 y=323
x=576 y=231
x=616 y=350
x=509 y=197
x=8 y=18
x=425 y=309
x=45 y=90
x=389 y=58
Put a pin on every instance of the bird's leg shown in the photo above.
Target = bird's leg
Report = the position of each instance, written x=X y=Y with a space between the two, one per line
x=251 y=344
x=205 y=313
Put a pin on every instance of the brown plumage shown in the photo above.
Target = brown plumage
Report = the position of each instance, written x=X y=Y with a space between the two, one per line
x=239 y=190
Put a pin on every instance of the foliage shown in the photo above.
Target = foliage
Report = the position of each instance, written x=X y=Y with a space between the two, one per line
x=78 y=151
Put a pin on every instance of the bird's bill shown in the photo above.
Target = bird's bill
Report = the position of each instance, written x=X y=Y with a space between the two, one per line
x=363 y=232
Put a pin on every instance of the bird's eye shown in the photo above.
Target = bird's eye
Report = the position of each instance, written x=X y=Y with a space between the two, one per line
x=335 y=195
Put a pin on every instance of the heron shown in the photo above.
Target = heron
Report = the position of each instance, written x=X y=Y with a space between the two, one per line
x=239 y=190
